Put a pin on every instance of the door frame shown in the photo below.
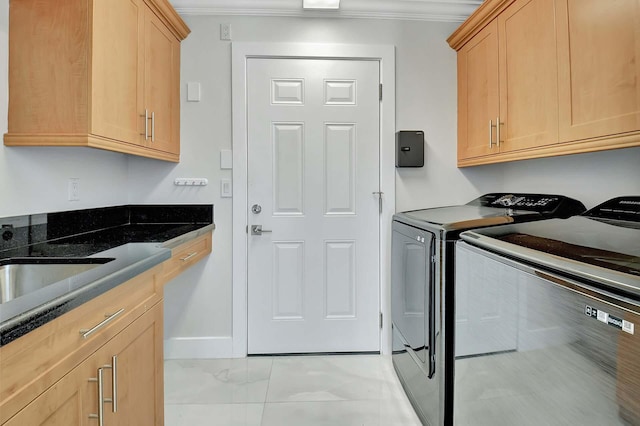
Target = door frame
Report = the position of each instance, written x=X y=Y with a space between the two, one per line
x=240 y=53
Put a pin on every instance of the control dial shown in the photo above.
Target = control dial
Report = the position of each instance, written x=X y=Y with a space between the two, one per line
x=508 y=200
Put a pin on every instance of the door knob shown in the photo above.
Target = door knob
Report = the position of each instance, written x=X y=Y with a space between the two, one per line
x=257 y=230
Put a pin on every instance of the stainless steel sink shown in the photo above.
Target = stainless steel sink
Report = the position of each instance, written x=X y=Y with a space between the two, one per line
x=23 y=276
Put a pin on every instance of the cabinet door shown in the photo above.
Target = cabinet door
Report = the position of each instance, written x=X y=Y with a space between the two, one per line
x=68 y=402
x=528 y=75
x=117 y=70
x=162 y=84
x=478 y=93
x=137 y=384
x=599 y=67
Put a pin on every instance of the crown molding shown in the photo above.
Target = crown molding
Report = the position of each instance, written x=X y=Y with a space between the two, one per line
x=421 y=10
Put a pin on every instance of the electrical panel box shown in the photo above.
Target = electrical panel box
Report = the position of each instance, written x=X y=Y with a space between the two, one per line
x=410 y=148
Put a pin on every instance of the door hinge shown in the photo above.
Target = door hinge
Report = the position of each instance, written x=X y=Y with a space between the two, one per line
x=380 y=320
x=380 y=90
x=379 y=194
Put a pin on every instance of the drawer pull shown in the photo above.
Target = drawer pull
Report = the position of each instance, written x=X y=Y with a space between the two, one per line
x=100 y=415
x=114 y=378
x=88 y=332
x=189 y=256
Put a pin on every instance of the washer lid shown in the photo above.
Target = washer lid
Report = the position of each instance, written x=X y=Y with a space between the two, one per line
x=467 y=217
x=493 y=209
x=605 y=252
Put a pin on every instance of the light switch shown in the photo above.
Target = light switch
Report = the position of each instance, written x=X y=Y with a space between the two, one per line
x=193 y=92
x=225 y=188
x=226 y=159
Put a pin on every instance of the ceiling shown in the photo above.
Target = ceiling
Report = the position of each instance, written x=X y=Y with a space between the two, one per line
x=424 y=10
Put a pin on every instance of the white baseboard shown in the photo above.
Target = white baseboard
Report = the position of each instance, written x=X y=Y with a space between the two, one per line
x=198 y=347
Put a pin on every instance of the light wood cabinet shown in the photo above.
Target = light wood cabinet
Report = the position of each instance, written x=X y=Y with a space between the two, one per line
x=117 y=73
x=136 y=387
x=162 y=85
x=599 y=64
x=186 y=255
x=130 y=366
x=34 y=362
x=47 y=375
x=528 y=75
x=96 y=73
x=628 y=374
x=567 y=76
x=478 y=86
x=504 y=94
x=68 y=402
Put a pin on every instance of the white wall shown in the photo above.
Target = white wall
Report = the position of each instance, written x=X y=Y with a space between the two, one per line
x=198 y=303
x=591 y=178
x=34 y=180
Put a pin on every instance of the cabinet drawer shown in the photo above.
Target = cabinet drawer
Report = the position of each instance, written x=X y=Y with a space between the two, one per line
x=35 y=361
x=186 y=255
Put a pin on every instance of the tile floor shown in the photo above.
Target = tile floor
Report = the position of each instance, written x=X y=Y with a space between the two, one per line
x=341 y=390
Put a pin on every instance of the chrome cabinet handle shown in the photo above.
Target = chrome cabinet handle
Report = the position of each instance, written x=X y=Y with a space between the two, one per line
x=88 y=332
x=498 y=123
x=146 y=124
x=491 y=126
x=257 y=230
x=114 y=381
x=100 y=415
x=153 y=127
x=189 y=256
x=104 y=399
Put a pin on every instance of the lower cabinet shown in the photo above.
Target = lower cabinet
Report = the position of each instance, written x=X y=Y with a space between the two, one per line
x=112 y=376
x=120 y=384
x=69 y=402
x=133 y=364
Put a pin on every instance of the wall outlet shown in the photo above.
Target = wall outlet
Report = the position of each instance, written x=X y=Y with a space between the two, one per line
x=74 y=189
x=225 y=31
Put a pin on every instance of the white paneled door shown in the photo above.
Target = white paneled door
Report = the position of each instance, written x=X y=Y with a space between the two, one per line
x=313 y=175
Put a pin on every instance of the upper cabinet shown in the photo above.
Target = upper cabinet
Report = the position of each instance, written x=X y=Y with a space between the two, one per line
x=539 y=78
x=599 y=67
x=478 y=86
x=97 y=73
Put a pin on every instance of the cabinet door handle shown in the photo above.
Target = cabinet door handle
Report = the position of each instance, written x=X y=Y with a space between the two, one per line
x=88 y=332
x=114 y=381
x=100 y=415
x=189 y=256
x=491 y=126
x=498 y=123
x=153 y=127
x=146 y=124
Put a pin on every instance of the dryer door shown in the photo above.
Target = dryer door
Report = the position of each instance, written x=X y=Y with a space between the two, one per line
x=412 y=289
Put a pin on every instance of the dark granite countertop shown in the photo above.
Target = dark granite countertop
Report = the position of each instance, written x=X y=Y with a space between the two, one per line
x=122 y=241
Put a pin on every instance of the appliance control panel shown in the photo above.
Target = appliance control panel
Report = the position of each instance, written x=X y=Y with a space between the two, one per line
x=547 y=204
x=620 y=208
